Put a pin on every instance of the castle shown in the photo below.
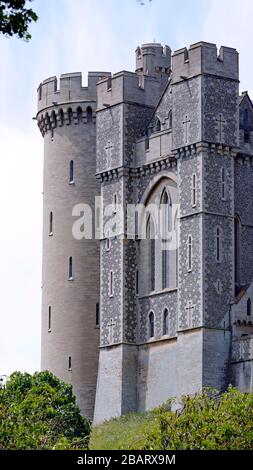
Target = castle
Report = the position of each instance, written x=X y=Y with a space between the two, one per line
x=124 y=320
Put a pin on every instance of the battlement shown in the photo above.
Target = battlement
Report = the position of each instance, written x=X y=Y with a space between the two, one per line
x=203 y=58
x=152 y=59
x=70 y=89
x=129 y=87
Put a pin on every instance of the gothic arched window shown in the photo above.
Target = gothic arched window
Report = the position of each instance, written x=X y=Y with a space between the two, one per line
x=152 y=258
x=151 y=325
x=165 y=220
x=165 y=322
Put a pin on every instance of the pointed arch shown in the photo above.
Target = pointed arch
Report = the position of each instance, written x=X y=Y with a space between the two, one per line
x=53 y=119
x=79 y=114
x=166 y=225
x=48 y=122
x=89 y=114
x=61 y=117
x=150 y=235
x=70 y=115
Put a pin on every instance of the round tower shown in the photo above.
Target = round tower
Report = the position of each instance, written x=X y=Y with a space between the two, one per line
x=70 y=272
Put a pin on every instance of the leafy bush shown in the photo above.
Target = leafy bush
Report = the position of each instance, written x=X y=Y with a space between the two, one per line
x=39 y=412
x=205 y=422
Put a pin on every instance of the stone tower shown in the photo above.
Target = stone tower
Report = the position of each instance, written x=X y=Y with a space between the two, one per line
x=70 y=278
x=130 y=100
x=205 y=90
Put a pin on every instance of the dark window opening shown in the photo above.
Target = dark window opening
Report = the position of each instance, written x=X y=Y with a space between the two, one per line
x=70 y=267
x=97 y=314
x=249 y=307
x=89 y=114
x=51 y=223
x=49 y=318
x=151 y=325
x=71 y=171
x=166 y=322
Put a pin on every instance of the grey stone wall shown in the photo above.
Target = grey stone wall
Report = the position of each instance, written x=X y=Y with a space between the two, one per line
x=73 y=302
x=220 y=102
x=186 y=112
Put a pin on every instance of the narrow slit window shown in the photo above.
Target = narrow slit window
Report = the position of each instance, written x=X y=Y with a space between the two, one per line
x=249 y=307
x=70 y=363
x=223 y=184
x=51 y=223
x=218 y=245
x=151 y=325
x=70 y=268
x=137 y=282
x=115 y=203
x=165 y=322
x=71 y=171
x=49 y=318
x=108 y=244
x=97 y=314
x=111 y=284
x=194 y=198
x=190 y=253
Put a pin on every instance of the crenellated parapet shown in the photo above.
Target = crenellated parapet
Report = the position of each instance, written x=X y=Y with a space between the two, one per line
x=203 y=58
x=153 y=59
x=55 y=117
x=69 y=90
x=129 y=87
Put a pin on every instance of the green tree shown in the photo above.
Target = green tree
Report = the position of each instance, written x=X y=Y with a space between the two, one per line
x=39 y=412
x=205 y=422
x=15 y=18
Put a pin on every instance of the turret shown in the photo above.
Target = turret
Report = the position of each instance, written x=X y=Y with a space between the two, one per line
x=70 y=275
x=153 y=59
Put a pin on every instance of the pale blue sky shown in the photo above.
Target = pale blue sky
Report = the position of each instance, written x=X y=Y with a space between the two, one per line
x=71 y=36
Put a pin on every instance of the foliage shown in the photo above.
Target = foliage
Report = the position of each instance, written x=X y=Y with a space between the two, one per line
x=39 y=412
x=206 y=422
x=127 y=432
x=15 y=18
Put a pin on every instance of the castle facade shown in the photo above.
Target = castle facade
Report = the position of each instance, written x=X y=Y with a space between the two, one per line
x=133 y=315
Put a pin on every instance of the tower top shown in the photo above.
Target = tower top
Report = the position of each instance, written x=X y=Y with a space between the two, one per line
x=203 y=58
x=153 y=59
